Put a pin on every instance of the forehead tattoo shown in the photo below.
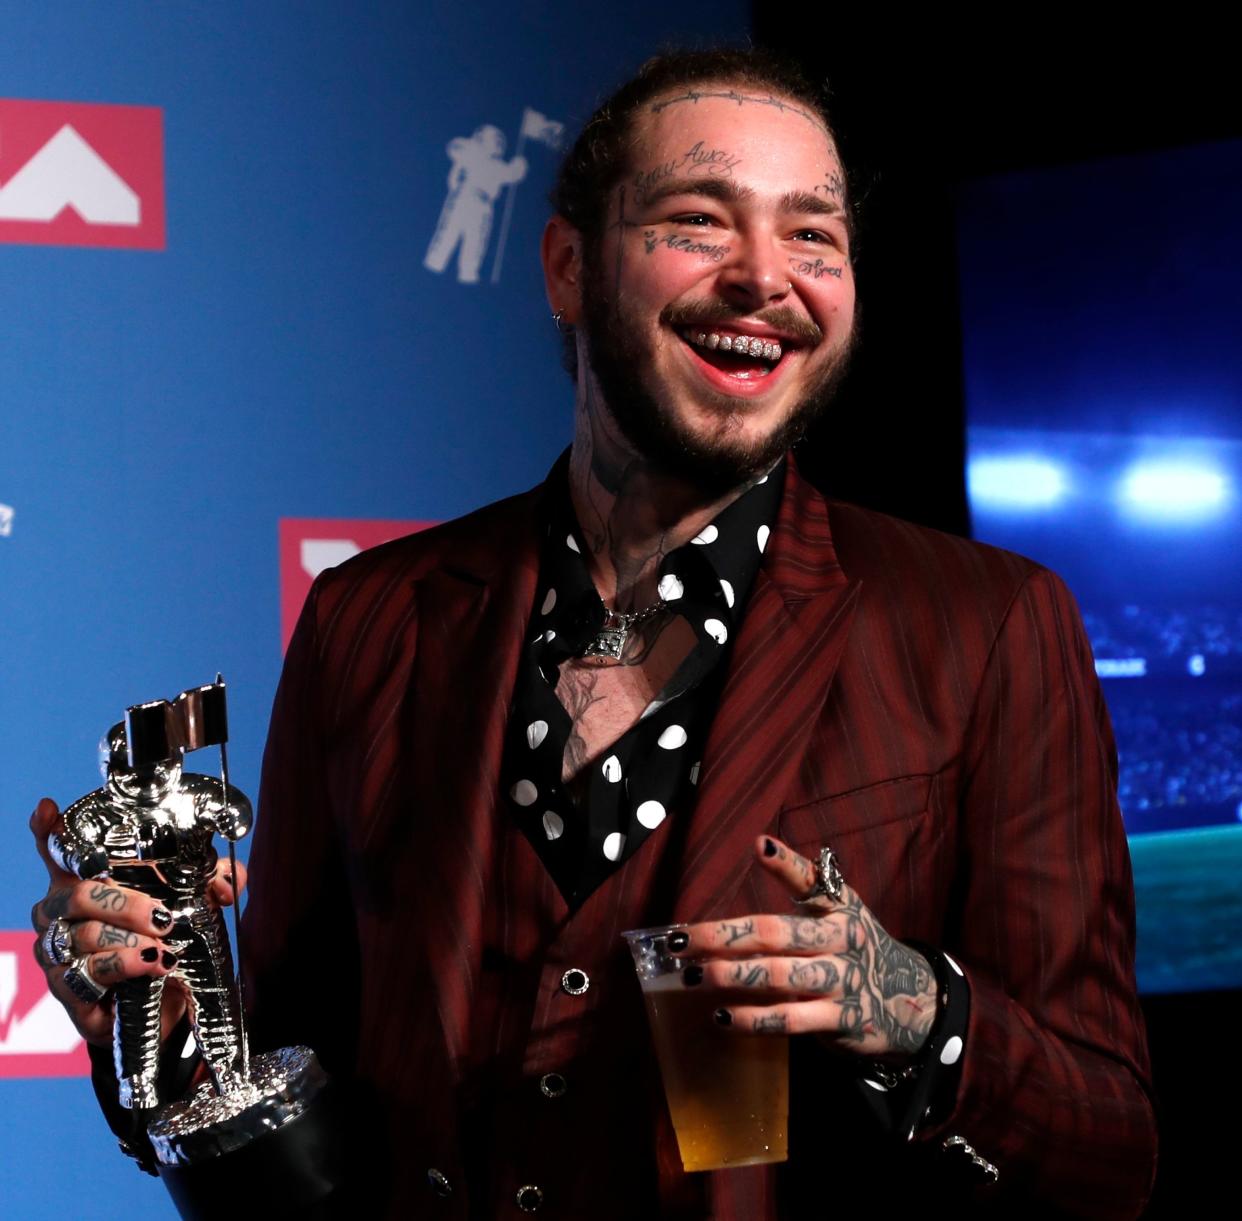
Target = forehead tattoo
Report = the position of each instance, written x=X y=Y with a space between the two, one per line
x=732 y=95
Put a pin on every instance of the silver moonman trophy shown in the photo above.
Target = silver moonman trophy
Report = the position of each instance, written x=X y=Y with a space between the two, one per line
x=259 y=1130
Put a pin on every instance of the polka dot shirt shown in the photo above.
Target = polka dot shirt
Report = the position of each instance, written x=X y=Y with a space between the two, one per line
x=649 y=774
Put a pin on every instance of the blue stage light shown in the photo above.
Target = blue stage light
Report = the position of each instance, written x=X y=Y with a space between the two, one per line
x=1196 y=665
x=1173 y=491
x=1016 y=483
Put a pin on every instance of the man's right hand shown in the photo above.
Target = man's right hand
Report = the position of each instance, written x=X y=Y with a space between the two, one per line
x=116 y=931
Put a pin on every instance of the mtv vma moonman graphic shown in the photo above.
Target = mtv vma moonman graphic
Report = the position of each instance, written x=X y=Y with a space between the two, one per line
x=478 y=175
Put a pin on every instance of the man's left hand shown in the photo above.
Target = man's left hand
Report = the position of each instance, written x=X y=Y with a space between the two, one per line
x=829 y=969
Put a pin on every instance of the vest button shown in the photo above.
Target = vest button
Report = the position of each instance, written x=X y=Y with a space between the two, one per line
x=575 y=981
x=439 y=1183
x=529 y=1198
x=553 y=1085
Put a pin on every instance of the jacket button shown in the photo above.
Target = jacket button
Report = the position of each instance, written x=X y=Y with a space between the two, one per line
x=553 y=1085
x=575 y=981
x=529 y=1198
x=438 y=1183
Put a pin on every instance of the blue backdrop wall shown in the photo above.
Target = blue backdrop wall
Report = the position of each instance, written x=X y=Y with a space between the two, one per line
x=302 y=340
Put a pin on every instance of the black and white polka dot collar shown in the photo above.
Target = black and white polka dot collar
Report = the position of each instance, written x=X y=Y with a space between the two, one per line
x=651 y=771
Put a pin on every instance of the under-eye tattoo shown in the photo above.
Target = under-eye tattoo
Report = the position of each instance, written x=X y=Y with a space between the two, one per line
x=732 y=95
x=771 y=1023
x=833 y=185
x=750 y=975
x=735 y=930
x=116 y=936
x=107 y=897
x=105 y=966
x=814 y=975
x=687 y=245
x=815 y=268
x=715 y=162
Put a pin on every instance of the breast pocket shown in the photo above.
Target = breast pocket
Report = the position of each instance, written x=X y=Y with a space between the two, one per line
x=888 y=840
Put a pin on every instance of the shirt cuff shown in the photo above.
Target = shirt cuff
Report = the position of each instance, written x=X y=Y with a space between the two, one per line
x=923 y=1093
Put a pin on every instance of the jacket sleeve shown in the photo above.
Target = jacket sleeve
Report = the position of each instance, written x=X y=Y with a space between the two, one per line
x=299 y=939
x=1055 y=1088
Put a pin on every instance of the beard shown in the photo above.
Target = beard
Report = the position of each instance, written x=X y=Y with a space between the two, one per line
x=721 y=460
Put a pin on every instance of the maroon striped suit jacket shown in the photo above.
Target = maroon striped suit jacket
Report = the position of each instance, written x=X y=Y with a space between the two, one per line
x=925 y=704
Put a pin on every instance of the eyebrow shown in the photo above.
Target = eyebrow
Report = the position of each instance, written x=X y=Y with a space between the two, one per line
x=808 y=201
x=727 y=191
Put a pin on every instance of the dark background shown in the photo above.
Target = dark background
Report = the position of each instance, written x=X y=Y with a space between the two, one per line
x=920 y=109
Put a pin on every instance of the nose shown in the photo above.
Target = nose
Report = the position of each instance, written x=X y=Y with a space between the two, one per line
x=755 y=273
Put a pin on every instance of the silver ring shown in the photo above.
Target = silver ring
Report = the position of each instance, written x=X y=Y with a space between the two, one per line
x=828 y=879
x=82 y=983
x=58 y=941
x=564 y=327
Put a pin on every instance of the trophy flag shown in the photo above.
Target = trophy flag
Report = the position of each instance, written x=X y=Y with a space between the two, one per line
x=538 y=127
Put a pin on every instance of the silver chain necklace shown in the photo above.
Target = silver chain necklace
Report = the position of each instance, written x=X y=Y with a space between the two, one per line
x=610 y=640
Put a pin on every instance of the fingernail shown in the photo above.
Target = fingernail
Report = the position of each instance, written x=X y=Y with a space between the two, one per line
x=678 y=941
x=769 y=848
x=169 y=960
x=722 y=1017
x=161 y=917
x=692 y=976
x=150 y=954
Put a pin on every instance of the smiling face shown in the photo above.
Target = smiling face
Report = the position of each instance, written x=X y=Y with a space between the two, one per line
x=717 y=310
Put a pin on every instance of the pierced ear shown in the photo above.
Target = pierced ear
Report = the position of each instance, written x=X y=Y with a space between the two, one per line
x=561 y=252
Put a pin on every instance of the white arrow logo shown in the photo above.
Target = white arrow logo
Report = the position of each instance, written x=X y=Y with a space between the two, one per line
x=67 y=173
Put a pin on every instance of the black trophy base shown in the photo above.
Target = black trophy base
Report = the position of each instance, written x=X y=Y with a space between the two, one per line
x=280 y=1157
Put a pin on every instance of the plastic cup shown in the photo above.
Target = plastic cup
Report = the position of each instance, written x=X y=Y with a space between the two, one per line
x=728 y=1093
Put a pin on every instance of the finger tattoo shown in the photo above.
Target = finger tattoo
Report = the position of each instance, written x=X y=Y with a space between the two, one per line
x=107 y=897
x=116 y=936
x=814 y=976
x=733 y=931
x=105 y=966
x=750 y=975
x=771 y=1023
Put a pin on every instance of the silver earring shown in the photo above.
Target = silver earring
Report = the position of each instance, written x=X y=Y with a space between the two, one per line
x=564 y=327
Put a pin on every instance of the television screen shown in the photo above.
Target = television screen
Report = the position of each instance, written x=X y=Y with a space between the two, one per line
x=1102 y=320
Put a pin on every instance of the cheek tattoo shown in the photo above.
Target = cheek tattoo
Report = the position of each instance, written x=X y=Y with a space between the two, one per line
x=816 y=270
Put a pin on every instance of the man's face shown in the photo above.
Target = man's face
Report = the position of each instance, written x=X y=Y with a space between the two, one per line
x=728 y=225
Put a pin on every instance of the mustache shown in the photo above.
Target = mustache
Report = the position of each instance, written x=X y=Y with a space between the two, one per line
x=780 y=318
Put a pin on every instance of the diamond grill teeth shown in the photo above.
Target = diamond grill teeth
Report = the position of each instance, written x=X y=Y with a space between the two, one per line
x=745 y=344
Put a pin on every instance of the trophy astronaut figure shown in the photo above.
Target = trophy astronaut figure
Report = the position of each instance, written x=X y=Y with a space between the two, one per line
x=150 y=827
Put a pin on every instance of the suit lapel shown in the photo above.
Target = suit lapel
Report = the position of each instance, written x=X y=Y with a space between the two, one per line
x=793 y=635
x=472 y=616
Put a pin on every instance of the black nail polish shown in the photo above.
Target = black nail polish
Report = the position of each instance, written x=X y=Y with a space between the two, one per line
x=678 y=941
x=169 y=960
x=692 y=975
x=769 y=848
x=150 y=954
x=722 y=1017
x=161 y=917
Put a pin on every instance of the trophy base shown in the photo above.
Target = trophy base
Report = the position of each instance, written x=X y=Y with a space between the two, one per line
x=267 y=1148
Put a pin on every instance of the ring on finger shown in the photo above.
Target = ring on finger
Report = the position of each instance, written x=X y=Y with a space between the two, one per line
x=58 y=941
x=82 y=983
x=828 y=879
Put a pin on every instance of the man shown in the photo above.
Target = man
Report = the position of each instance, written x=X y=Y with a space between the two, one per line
x=658 y=688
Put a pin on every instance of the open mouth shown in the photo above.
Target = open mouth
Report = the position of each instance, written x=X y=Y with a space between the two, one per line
x=742 y=357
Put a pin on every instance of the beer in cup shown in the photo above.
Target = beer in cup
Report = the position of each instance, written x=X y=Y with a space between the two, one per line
x=728 y=1093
